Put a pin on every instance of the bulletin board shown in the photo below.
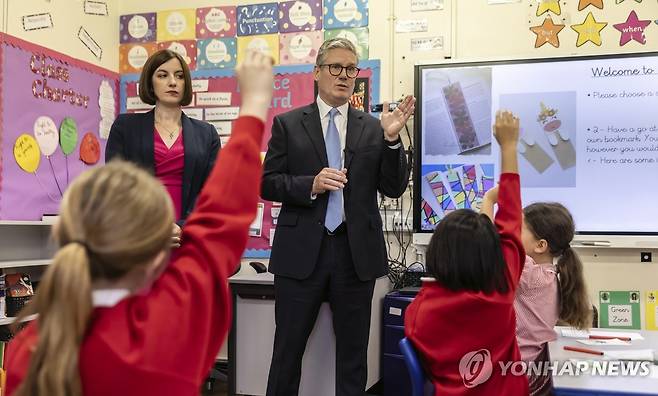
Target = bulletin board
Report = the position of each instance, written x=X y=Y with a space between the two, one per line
x=56 y=113
x=216 y=100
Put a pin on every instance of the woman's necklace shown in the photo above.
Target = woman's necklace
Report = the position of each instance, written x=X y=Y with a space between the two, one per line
x=171 y=133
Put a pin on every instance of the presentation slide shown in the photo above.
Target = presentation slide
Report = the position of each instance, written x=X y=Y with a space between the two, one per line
x=588 y=138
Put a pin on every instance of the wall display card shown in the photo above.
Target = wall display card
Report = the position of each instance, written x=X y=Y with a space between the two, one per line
x=137 y=28
x=411 y=25
x=185 y=48
x=132 y=56
x=223 y=128
x=266 y=43
x=619 y=309
x=89 y=42
x=297 y=16
x=214 y=22
x=358 y=37
x=427 y=5
x=222 y=113
x=256 y=228
x=301 y=47
x=258 y=19
x=37 y=21
x=195 y=113
x=199 y=85
x=135 y=103
x=345 y=13
x=217 y=53
x=213 y=99
x=427 y=44
x=95 y=7
x=176 y=25
x=651 y=310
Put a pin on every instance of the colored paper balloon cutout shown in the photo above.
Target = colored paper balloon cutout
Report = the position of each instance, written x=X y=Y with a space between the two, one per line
x=45 y=131
x=90 y=149
x=68 y=135
x=27 y=153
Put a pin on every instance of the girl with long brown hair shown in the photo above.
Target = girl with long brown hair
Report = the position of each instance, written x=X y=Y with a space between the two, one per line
x=115 y=317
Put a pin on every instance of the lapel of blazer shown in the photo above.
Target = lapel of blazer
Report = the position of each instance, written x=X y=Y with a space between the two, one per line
x=146 y=132
x=355 y=126
x=189 y=144
x=311 y=122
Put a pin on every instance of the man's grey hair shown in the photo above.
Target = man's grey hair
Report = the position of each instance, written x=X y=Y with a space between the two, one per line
x=334 y=43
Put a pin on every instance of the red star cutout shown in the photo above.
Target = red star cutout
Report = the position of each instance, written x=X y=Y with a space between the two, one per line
x=547 y=33
x=584 y=3
x=632 y=29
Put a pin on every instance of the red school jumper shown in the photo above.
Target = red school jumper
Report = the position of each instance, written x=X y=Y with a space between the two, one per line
x=445 y=325
x=164 y=342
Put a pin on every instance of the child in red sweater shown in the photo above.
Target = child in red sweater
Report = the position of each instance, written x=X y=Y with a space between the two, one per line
x=462 y=322
x=115 y=317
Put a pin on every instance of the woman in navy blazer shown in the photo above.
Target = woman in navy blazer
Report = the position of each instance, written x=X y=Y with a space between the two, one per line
x=179 y=150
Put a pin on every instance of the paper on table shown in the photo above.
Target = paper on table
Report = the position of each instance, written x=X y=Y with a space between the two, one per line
x=575 y=333
x=614 y=341
x=631 y=354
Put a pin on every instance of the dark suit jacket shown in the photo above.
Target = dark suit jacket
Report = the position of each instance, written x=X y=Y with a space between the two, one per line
x=297 y=153
x=131 y=138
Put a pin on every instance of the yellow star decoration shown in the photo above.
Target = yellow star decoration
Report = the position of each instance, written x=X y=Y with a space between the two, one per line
x=589 y=30
x=547 y=33
x=582 y=4
x=548 y=5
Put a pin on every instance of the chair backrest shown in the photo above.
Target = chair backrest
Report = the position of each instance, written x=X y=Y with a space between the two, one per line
x=414 y=367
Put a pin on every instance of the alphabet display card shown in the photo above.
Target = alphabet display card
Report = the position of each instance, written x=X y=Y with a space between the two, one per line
x=358 y=37
x=300 y=47
x=185 y=48
x=177 y=25
x=217 y=53
x=345 y=13
x=258 y=19
x=132 y=56
x=213 y=22
x=137 y=28
x=619 y=309
x=300 y=15
x=265 y=43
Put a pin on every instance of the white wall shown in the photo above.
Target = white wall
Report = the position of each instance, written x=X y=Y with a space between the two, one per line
x=68 y=16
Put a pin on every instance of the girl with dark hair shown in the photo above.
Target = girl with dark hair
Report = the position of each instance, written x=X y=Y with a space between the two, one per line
x=462 y=322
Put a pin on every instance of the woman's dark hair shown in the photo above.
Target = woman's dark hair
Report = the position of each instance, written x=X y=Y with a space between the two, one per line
x=146 y=93
x=552 y=222
x=465 y=254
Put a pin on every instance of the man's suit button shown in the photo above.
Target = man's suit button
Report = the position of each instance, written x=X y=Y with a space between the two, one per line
x=319 y=222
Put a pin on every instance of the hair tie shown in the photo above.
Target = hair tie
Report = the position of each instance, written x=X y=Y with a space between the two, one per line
x=83 y=244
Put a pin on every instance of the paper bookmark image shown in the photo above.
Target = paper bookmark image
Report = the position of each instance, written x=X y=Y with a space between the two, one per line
x=534 y=153
x=458 y=193
x=558 y=138
x=469 y=181
x=429 y=216
x=460 y=117
x=441 y=192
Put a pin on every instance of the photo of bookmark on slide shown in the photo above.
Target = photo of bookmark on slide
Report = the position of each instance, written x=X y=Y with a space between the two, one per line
x=559 y=139
x=533 y=152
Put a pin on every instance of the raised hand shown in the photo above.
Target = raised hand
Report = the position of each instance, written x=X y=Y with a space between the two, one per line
x=255 y=79
x=392 y=122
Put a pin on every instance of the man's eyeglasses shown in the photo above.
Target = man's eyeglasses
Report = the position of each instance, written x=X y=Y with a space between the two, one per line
x=336 y=69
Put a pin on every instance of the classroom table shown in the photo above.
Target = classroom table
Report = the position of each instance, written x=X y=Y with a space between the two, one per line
x=596 y=385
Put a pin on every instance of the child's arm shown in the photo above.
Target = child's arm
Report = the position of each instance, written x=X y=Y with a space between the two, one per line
x=488 y=201
x=508 y=218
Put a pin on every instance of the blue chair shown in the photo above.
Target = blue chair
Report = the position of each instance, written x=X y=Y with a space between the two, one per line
x=416 y=373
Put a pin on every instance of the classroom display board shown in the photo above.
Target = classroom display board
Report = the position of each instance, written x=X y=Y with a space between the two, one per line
x=56 y=113
x=218 y=37
x=589 y=137
x=216 y=100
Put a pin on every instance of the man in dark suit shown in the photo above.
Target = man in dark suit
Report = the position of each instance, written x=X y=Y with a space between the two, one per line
x=325 y=163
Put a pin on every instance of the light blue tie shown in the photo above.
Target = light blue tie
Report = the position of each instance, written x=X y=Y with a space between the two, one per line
x=334 y=215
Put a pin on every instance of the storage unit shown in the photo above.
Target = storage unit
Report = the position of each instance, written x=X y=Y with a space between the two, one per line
x=394 y=371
